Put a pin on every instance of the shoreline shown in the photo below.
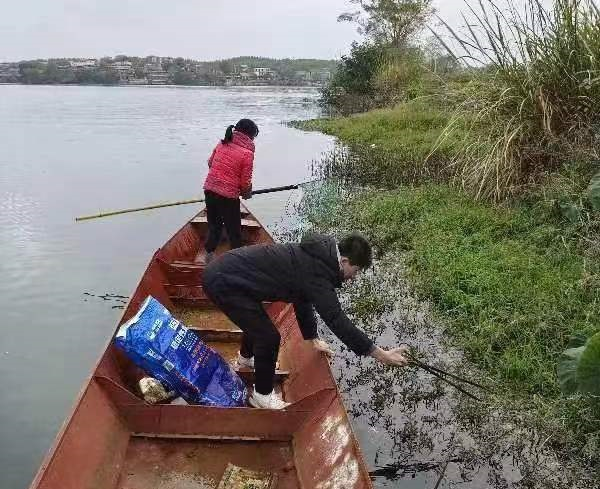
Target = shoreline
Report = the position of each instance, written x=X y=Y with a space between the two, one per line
x=497 y=275
x=151 y=86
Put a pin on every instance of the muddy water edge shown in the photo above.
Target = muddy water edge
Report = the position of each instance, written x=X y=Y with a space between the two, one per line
x=415 y=430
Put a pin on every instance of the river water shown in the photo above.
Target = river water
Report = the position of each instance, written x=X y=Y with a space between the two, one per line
x=67 y=151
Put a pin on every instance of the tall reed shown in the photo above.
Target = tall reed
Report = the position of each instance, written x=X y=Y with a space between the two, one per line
x=535 y=104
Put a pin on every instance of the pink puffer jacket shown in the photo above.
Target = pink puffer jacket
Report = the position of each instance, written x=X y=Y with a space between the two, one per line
x=230 y=167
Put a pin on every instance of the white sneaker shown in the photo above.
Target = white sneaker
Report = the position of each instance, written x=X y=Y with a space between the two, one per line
x=248 y=362
x=267 y=401
x=244 y=362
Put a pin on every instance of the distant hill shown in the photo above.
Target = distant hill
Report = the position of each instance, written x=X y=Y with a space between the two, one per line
x=155 y=70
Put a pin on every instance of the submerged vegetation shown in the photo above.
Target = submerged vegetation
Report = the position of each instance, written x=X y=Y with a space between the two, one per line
x=479 y=163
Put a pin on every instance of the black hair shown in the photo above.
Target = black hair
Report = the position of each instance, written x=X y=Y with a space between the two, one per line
x=245 y=126
x=357 y=249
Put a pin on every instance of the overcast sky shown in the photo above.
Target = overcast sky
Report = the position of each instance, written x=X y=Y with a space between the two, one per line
x=198 y=29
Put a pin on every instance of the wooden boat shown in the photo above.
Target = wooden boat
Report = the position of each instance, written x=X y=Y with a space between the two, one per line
x=113 y=439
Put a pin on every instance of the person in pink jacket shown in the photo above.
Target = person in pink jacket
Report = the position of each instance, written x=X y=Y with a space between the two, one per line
x=229 y=177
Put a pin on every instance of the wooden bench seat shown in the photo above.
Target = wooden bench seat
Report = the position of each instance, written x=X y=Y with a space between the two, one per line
x=248 y=223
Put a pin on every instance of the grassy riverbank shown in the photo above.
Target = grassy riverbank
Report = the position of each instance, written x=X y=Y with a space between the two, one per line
x=513 y=281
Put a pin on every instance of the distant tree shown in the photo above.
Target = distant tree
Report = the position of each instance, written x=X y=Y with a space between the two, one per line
x=37 y=72
x=186 y=78
x=97 y=77
x=438 y=58
x=390 y=22
x=352 y=87
x=52 y=71
x=226 y=66
x=32 y=72
x=358 y=69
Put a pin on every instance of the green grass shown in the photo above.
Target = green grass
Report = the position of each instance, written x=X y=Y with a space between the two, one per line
x=512 y=285
x=408 y=131
x=407 y=128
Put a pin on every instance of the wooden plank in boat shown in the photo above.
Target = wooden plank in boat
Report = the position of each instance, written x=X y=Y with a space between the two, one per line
x=203 y=318
x=239 y=478
x=245 y=222
x=247 y=374
x=204 y=421
x=193 y=293
x=218 y=335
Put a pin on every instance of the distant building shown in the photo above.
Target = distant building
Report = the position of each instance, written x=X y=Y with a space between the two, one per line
x=303 y=75
x=138 y=81
x=124 y=69
x=324 y=75
x=155 y=74
x=157 y=78
x=83 y=64
x=262 y=72
x=122 y=66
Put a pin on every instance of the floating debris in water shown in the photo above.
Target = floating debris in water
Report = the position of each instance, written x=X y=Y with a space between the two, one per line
x=120 y=300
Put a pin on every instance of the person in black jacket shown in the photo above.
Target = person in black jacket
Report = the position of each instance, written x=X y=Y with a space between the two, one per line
x=305 y=274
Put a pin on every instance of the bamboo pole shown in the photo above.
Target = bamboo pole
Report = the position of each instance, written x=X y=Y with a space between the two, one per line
x=137 y=209
x=181 y=202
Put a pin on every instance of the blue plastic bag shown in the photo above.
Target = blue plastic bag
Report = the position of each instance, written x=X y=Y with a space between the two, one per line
x=168 y=351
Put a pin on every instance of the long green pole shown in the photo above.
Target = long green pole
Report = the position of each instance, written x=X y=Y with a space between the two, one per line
x=181 y=202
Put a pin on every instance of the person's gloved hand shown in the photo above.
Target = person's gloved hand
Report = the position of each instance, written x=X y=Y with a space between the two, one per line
x=247 y=194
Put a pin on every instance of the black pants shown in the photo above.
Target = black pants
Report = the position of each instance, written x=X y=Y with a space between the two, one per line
x=222 y=211
x=260 y=338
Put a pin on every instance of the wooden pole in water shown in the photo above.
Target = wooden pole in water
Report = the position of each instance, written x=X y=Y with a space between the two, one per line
x=448 y=374
x=443 y=375
x=445 y=379
x=181 y=202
